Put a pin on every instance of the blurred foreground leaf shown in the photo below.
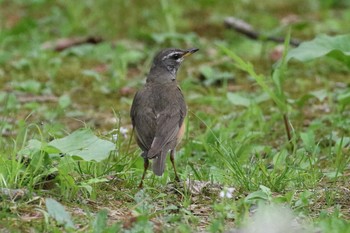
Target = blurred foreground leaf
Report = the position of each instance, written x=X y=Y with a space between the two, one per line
x=57 y=211
x=337 y=47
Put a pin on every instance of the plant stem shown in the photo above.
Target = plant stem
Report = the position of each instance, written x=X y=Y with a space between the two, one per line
x=287 y=126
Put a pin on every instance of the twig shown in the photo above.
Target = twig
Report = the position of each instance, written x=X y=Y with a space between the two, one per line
x=36 y=98
x=246 y=29
x=287 y=126
x=65 y=43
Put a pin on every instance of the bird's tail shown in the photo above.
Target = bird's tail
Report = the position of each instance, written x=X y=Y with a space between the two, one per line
x=159 y=163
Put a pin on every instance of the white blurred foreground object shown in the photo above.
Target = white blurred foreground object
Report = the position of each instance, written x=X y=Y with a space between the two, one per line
x=274 y=219
x=227 y=193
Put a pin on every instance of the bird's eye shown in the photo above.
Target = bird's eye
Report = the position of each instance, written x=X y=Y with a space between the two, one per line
x=176 y=56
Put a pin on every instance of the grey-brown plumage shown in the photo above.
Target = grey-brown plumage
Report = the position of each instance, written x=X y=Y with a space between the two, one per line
x=159 y=109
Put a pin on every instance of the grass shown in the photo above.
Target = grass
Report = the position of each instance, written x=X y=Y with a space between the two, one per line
x=236 y=133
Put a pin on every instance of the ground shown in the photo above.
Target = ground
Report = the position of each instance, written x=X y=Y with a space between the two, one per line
x=68 y=67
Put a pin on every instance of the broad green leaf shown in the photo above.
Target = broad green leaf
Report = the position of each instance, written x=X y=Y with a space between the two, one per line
x=308 y=139
x=93 y=74
x=57 y=211
x=246 y=101
x=213 y=75
x=84 y=144
x=64 y=101
x=78 y=51
x=128 y=55
x=34 y=146
x=337 y=47
x=100 y=221
x=30 y=86
x=320 y=94
x=344 y=98
x=23 y=63
x=238 y=99
x=305 y=199
x=87 y=187
x=264 y=194
x=332 y=174
x=279 y=159
x=96 y=180
x=265 y=190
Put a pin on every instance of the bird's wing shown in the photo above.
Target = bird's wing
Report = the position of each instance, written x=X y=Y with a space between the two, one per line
x=168 y=123
x=143 y=121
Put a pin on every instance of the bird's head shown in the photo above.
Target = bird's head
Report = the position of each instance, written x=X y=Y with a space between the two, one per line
x=167 y=62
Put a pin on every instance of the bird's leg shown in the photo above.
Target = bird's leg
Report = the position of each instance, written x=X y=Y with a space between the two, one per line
x=145 y=167
x=172 y=156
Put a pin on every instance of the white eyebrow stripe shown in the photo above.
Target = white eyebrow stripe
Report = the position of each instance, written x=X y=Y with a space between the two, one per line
x=171 y=54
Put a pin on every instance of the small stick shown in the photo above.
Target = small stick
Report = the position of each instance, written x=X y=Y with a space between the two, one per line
x=65 y=43
x=287 y=126
x=246 y=29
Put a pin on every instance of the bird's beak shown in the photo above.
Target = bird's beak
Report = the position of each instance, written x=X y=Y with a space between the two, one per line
x=188 y=52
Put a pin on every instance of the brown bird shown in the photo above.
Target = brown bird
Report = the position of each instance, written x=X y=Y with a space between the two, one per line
x=158 y=111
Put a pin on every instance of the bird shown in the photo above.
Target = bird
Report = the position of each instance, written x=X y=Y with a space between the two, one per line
x=158 y=111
